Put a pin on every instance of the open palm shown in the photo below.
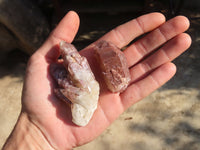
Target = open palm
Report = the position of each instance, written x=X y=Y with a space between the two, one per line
x=149 y=60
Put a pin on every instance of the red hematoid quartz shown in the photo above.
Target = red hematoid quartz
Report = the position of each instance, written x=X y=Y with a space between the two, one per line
x=113 y=65
x=76 y=84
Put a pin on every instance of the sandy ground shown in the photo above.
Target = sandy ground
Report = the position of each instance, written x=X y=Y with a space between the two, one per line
x=167 y=119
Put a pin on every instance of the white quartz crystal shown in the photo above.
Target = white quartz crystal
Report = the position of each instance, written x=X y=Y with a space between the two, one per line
x=80 y=88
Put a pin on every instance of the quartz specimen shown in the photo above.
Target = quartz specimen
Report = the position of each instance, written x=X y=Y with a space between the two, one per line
x=113 y=65
x=77 y=84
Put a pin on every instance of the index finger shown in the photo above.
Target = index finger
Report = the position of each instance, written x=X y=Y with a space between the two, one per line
x=125 y=33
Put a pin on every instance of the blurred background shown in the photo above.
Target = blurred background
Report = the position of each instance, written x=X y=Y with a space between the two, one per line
x=167 y=119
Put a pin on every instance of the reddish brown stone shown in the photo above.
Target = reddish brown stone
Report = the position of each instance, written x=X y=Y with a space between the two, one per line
x=114 y=66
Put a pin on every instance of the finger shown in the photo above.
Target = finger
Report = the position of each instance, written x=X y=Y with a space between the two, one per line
x=155 y=39
x=168 y=52
x=125 y=33
x=144 y=87
x=65 y=31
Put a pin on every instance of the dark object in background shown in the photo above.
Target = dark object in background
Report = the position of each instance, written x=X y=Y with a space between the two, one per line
x=22 y=25
x=25 y=24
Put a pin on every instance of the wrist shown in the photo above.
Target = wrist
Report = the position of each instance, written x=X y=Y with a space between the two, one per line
x=26 y=136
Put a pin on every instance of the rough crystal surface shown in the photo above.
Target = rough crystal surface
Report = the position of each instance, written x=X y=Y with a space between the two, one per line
x=114 y=66
x=77 y=84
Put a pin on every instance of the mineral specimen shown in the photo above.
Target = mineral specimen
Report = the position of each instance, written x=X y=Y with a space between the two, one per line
x=113 y=65
x=77 y=84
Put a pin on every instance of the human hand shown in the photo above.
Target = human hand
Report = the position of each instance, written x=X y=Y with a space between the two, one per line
x=149 y=60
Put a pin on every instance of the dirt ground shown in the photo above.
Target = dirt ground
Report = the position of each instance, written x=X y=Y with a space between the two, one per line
x=167 y=119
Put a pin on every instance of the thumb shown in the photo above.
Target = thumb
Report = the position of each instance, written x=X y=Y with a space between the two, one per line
x=65 y=31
